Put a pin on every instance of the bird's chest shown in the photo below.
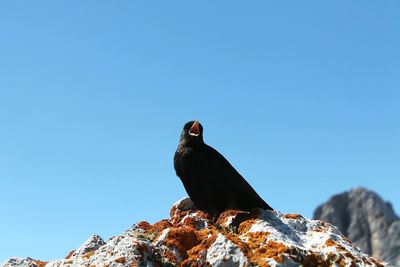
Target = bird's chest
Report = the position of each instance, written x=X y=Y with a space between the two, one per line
x=196 y=164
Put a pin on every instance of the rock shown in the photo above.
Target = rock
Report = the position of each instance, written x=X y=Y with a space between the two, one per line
x=224 y=252
x=191 y=238
x=25 y=262
x=90 y=245
x=367 y=220
x=184 y=204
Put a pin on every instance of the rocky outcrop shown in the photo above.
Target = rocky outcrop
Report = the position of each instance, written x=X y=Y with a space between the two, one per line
x=191 y=238
x=367 y=220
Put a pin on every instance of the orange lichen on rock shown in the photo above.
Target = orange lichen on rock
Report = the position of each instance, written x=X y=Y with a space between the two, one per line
x=309 y=258
x=207 y=238
x=183 y=239
x=330 y=243
x=158 y=227
x=176 y=213
x=142 y=247
x=202 y=215
x=192 y=221
x=272 y=250
x=340 y=248
x=293 y=216
x=275 y=250
x=246 y=225
x=225 y=215
x=344 y=254
x=121 y=260
x=144 y=225
x=178 y=217
x=170 y=257
x=377 y=263
x=40 y=263
x=321 y=227
x=70 y=254
x=174 y=210
x=238 y=242
x=69 y=261
x=256 y=239
x=349 y=255
x=88 y=255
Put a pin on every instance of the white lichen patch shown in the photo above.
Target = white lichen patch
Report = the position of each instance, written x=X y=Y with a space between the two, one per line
x=225 y=253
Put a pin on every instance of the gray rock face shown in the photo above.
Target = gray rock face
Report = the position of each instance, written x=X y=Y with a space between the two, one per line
x=25 y=262
x=367 y=220
x=93 y=243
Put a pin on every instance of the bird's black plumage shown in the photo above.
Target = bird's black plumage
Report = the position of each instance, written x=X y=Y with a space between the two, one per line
x=210 y=180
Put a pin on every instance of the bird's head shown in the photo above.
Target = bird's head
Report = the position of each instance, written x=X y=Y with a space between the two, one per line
x=192 y=133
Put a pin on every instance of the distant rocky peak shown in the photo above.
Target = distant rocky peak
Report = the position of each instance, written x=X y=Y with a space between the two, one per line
x=364 y=198
x=367 y=220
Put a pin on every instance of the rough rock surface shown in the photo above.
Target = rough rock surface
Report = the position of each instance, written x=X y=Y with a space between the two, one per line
x=190 y=238
x=367 y=220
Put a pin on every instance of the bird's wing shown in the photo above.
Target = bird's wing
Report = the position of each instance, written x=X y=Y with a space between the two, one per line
x=233 y=179
x=177 y=165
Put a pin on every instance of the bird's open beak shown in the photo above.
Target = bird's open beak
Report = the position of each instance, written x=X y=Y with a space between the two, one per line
x=194 y=130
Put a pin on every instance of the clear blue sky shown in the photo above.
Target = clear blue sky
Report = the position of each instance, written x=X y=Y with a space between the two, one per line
x=302 y=97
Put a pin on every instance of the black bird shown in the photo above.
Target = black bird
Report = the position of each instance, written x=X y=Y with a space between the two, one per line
x=210 y=180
